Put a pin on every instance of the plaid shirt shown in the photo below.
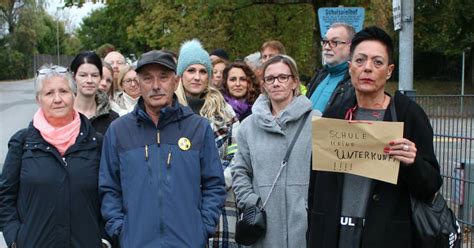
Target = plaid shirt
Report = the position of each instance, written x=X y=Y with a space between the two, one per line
x=225 y=230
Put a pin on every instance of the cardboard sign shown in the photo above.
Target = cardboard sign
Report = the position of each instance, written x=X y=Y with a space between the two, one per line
x=356 y=147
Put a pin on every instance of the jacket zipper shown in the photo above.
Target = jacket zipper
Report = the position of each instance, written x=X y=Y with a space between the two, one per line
x=160 y=193
x=158 y=137
x=168 y=167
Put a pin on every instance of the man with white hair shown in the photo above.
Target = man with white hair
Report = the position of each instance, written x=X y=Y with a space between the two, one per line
x=331 y=83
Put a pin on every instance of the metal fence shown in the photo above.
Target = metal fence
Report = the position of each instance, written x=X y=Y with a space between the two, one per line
x=41 y=59
x=452 y=118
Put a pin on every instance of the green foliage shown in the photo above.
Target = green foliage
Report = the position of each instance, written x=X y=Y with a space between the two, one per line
x=109 y=25
x=71 y=45
x=168 y=25
x=444 y=26
x=34 y=31
x=46 y=34
x=239 y=26
x=290 y=24
x=19 y=43
x=14 y=64
x=103 y=50
x=236 y=26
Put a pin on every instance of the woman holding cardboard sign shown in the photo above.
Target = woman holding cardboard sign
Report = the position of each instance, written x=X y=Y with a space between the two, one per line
x=354 y=211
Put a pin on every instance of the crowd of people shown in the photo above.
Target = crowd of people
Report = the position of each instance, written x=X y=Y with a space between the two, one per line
x=168 y=152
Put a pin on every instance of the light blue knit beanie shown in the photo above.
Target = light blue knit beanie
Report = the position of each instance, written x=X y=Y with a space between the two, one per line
x=191 y=53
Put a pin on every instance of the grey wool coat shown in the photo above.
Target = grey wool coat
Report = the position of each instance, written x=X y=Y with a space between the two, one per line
x=263 y=140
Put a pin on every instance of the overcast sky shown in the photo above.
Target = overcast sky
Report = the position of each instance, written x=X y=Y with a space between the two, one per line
x=73 y=16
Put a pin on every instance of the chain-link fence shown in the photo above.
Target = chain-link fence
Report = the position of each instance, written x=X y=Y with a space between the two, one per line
x=452 y=118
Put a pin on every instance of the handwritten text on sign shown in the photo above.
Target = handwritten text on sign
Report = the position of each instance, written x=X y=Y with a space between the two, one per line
x=355 y=147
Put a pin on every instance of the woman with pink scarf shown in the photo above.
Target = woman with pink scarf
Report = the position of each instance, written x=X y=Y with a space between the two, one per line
x=48 y=187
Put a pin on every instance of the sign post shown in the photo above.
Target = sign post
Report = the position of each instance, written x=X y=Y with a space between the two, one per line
x=353 y=16
x=405 y=65
x=397 y=14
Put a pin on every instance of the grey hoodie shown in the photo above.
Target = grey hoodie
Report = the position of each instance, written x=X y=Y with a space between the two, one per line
x=263 y=140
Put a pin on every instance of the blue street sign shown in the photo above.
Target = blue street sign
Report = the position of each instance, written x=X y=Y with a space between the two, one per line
x=350 y=15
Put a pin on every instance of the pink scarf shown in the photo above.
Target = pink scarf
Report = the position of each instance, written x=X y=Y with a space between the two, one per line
x=61 y=138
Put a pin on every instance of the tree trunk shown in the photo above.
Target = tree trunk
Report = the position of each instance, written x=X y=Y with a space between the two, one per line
x=316 y=38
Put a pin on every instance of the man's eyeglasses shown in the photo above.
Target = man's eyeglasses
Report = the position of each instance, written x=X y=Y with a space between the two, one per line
x=333 y=43
x=56 y=68
x=282 y=78
x=130 y=80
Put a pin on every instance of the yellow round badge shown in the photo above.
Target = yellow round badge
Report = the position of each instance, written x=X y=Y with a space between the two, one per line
x=184 y=144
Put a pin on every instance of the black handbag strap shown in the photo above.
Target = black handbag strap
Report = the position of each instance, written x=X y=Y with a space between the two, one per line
x=288 y=152
x=393 y=113
x=393 y=110
x=287 y=156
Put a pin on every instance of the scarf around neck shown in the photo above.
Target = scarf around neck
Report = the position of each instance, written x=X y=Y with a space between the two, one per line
x=61 y=138
x=339 y=69
x=241 y=107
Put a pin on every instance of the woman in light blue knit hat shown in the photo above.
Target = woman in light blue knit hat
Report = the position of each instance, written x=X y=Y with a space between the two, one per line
x=195 y=71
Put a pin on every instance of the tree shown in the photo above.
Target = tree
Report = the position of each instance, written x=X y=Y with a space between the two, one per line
x=9 y=12
x=164 y=25
x=30 y=30
x=443 y=30
x=444 y=26
x=241 y=26
x=109 y=25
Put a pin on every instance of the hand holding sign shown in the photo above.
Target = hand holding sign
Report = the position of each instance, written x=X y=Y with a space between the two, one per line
x=356 y=147
x=402 y=150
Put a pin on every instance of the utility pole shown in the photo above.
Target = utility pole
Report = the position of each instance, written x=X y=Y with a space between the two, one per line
x=57 y=31
x=405 y=68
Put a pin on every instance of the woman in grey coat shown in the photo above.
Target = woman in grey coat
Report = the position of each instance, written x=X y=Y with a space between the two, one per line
x=263 y=140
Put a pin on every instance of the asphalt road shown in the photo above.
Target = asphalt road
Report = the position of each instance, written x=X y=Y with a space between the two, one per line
x=17 y=106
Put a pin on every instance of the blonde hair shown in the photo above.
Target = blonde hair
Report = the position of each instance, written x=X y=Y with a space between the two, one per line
x=214 y=109
x=112 y=89
x=122 y=74
x=290 y=62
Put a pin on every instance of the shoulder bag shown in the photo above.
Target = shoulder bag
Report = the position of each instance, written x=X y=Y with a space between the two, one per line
x=252 y=222
x=435 y=224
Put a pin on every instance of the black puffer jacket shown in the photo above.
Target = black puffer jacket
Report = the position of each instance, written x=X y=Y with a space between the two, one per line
x=49 y=200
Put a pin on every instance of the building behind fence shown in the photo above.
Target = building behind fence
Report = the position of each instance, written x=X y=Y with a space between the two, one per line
x=452 y=119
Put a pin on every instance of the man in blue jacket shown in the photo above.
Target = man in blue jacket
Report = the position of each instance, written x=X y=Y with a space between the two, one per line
x=332 y=84
x=161 y=180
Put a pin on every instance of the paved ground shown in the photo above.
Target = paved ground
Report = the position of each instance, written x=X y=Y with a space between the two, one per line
x=17 y=106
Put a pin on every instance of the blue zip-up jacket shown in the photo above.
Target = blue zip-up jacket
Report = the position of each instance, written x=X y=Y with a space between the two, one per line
x=157 y=189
